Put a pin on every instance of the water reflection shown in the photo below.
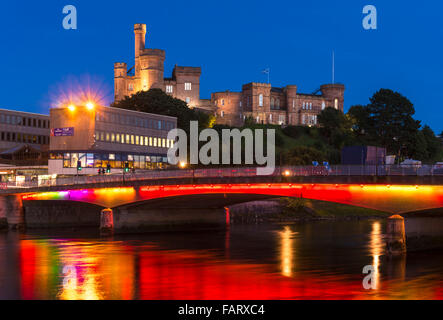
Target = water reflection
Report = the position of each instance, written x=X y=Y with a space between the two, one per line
x=376 y=246
x=286 y=251
x=311 y=261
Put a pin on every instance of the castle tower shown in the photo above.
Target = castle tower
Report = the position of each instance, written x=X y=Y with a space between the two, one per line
x=120 y=69
x=140 y=36
x=334 y=94
x=291 y=104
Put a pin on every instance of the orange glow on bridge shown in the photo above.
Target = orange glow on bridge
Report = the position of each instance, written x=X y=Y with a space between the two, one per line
x=389 y=198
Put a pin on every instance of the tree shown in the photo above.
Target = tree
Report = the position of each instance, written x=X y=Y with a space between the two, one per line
x=391 y=123
x=433 y=143
x=158 y=102
x=334 y=126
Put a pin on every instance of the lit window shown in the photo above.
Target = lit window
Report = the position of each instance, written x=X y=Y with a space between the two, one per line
x=117 y=137
x=155 y=142
x=293 y=104
x=150 y=141
x=132 y=139
x=112 y=137
x=169 y=88
x=270 y=117
x=188 y=99
x=187 y=86
x=146 y=141
x=336 y=103
x=260 y=100
x=164 y=143
x=107 y=136
x=128 y=141
x=137 y=140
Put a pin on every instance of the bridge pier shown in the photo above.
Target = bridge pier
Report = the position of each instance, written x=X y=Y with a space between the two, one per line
x=396 y=238
x=106 y=222
x=11 y=212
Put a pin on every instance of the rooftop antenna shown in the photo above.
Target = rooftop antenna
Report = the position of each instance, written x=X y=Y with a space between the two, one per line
x=333 y=67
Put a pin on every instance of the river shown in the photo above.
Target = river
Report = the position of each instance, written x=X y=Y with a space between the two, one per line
x=315 y=260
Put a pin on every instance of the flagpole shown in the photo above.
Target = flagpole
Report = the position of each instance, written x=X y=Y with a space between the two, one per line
x=333 y=67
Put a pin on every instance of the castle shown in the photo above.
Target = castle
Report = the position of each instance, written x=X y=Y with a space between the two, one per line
x=259 y=101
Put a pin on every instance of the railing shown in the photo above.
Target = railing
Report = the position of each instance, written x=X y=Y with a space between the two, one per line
x=338 y=170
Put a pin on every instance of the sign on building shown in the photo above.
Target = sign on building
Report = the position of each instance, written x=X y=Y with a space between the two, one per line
x=62 y=132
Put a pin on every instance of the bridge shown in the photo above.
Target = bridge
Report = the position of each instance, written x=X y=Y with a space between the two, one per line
x=393 y=189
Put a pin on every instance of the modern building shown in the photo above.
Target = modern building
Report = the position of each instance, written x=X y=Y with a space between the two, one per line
x=148 y=72
x=96 y=136
x=270 y=105
x=260 y=101
x=24 y=137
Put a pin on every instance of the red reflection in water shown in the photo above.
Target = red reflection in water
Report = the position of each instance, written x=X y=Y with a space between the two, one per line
x=114 y=270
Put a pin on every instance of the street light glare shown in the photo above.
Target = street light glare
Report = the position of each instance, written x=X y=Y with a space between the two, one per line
x=90 y=105
x=71 y=107
x=182 y=164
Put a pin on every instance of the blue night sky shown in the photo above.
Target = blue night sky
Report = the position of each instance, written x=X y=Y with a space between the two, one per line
x=233 y=41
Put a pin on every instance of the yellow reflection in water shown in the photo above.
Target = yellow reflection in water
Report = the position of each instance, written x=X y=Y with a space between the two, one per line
x=286 y=247
x=376 y=245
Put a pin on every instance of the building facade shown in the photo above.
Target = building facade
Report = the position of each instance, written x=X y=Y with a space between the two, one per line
x=148 y=73
x=270 y=105
x=24 y=137
x=104 y=135
x=260 y=101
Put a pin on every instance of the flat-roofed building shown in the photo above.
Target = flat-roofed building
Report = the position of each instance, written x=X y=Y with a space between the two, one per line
x=99 y=136
x=24 y=137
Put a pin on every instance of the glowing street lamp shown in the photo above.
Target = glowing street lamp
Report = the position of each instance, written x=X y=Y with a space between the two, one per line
x=90 y=105
x=182 y=164
x=287 y=173
x=71 y=107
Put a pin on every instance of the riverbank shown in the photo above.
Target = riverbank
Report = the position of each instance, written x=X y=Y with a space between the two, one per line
x=299 y=209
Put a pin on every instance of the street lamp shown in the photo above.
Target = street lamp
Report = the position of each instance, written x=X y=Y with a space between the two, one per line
x=90 y=106
x=182 y=164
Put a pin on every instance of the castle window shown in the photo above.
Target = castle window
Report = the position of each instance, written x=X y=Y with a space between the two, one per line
x=188 y=99
x=222 y=113
x=187 y=86
x=293 y=104
x=272 y=102
x=303 y=105
x=239 y=104
x=278 y=103
x=270 y=117
x=323 y=106
x=336 y=103
x=260 y=100
x=130 y=87
x=258 y=119
x=310 y=105
x=169 y=89
x=223 y=102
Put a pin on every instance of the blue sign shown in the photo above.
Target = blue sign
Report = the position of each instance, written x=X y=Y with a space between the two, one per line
x=62 y=132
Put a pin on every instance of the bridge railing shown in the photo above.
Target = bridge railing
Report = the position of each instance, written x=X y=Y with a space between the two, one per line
x=337 y=170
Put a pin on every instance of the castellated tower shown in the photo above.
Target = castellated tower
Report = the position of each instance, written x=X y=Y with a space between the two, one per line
x=120 y=79
x=334 y=94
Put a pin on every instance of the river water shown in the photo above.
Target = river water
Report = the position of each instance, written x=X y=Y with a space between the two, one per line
x=318 y=260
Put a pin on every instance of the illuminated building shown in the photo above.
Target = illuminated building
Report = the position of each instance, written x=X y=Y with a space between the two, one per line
x=98 y=136
x=24 y=137
x=260 y=101
x=148 y=73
